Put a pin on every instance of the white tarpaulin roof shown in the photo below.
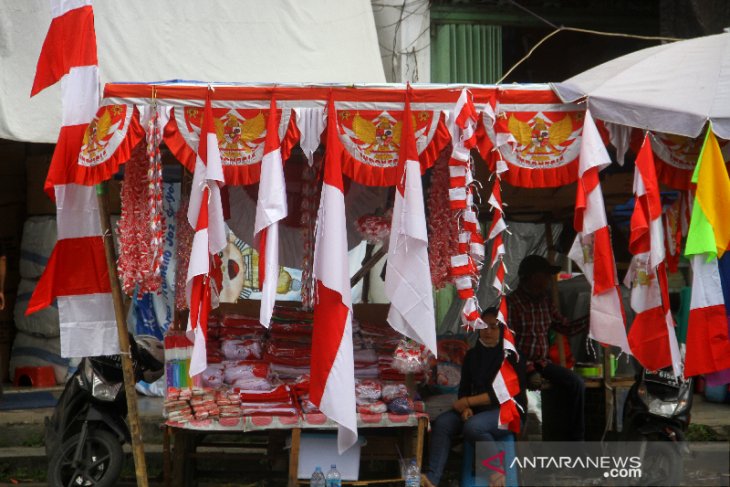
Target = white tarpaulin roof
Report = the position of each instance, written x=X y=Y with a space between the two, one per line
x=674 y=88
x=224 y=40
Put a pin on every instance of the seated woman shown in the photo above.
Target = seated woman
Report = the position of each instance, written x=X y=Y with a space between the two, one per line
x=476 y=413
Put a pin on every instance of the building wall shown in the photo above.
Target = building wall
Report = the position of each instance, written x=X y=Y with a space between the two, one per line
x=405 y=40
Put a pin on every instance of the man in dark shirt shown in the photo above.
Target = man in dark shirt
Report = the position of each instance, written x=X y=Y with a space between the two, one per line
x=476 y=412
x=531 y=315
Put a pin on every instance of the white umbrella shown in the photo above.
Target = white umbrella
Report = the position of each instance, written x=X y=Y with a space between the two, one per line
x=674 y=88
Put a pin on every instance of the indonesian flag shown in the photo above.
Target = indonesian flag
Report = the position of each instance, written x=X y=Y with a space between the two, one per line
x=205 y=215
x=270 y=209
x=708 y=347
x=332 y=387
x=408 y=281
x=591 y=249
x=76 y=274
x=652 y=338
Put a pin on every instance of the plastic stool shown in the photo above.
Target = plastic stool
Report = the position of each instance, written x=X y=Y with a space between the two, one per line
x=507 y=444
x=36 y=376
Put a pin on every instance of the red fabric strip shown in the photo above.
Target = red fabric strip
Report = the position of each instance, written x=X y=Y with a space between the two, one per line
x=330 y=316
x=76 y=266
x=65 y=156
x=649 y=341
x=604 y=272
x=333 y=155
x=708 y=348
x=70 y=42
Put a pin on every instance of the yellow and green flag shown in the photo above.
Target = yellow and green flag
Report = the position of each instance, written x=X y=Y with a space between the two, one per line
x=708 y=346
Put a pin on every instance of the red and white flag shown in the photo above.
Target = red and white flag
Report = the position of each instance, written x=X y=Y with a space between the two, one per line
x=506 y=384
x=76 y=274
x=205 y=215
x=592 y=249
x=652 y=338
x=270 y=209
x=332 y=387
x=408 y=280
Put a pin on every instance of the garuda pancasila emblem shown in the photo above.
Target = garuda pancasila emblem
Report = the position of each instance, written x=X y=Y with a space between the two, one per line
x=99 y=134
x=380 y=138
x=239 y=139
x=541 y=141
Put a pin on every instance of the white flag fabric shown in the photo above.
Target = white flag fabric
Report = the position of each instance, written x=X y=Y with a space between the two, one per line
x=592 y=250
x=270 y=210
x=332 y=386
x=408 y=280
x=205 y=215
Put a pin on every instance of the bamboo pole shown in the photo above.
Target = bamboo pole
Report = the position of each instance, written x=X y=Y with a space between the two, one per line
x=368 y=265
x=140 y=465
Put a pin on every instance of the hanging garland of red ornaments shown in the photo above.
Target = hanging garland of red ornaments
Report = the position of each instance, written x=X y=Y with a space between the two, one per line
x=443 y=232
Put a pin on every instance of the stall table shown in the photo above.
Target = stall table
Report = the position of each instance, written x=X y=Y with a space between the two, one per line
x=411 y=429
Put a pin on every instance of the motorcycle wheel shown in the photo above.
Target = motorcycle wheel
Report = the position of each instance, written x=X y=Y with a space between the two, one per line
x=100 y=464
x=662 y=464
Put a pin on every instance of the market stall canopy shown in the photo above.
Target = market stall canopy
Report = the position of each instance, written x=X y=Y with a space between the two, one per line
x=672 y=88
x=244 y=41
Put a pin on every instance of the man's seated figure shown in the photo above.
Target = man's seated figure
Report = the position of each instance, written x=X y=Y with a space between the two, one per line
x=475 y=414
x=531 y=316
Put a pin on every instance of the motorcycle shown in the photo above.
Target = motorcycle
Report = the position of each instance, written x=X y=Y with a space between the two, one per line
x=657 y=415
x=85 y=434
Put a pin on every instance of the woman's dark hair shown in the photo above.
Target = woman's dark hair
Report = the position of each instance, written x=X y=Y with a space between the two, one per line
x=491 y=311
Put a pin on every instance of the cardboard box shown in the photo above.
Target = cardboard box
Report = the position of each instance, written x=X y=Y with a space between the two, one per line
x=320 y=450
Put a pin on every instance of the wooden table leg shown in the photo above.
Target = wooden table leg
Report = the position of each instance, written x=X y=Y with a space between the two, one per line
x=420 y=439
x=296 y=435
x=166 y=453
x=183 y=468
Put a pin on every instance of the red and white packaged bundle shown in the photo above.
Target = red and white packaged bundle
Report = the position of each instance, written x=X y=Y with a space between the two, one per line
x=377 y=407
x=410 y=357
x=269 y=409
x=234 y=371
x=394 y=391
x=368 y=391
x=252 y=384
x=249 y=349
x=213 y=376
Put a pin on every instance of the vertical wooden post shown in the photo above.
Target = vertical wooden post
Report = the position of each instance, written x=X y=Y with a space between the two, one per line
x=296 y=436
x=549 y=240
x=140 y=465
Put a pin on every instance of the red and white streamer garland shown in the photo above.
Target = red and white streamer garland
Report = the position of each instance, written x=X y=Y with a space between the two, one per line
x=466 y=265
x=154 y=192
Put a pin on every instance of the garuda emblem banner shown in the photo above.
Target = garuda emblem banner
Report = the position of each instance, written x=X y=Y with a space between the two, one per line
x=241 y=133
x=536 y=135
x=372 y=138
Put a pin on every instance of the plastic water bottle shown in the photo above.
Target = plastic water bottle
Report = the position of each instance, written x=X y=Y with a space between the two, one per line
x=317 y=478
x=413 y=475
x=333 y=478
